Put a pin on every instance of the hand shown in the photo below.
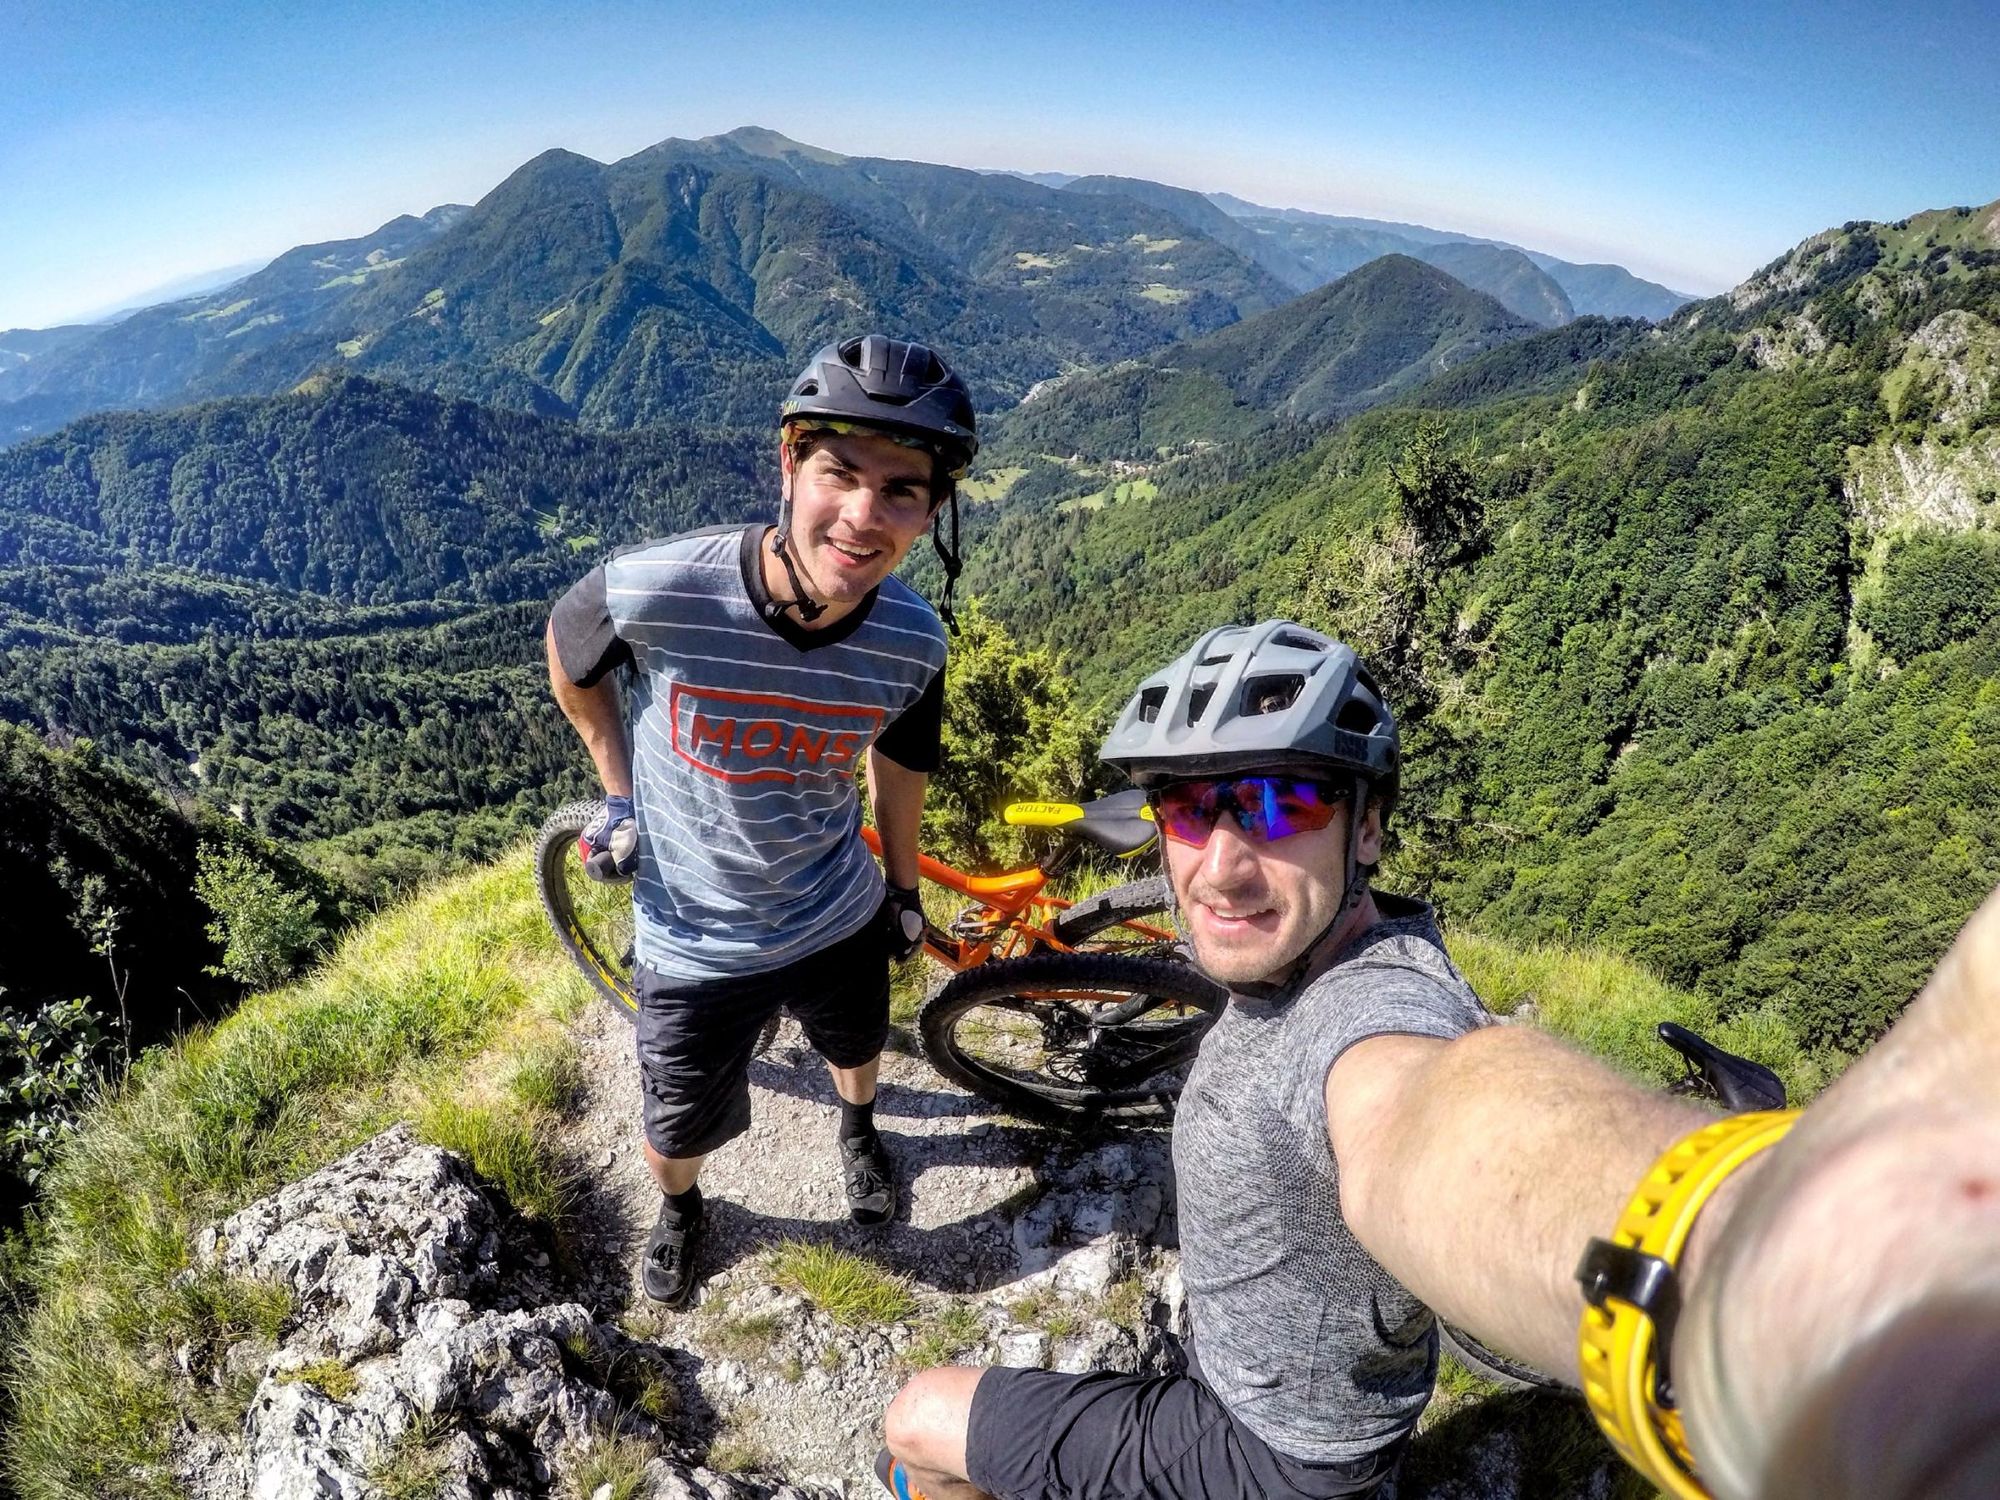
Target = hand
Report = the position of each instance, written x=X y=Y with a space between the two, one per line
x=609 y=846
x=901 y=919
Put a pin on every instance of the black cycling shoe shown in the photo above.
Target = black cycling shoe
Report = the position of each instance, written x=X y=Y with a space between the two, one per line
x=870 y=1180
x=668 y=1272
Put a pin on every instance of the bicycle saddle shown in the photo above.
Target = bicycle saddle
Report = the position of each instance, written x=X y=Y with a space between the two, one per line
x=1120 y=824
x=1737 y=1081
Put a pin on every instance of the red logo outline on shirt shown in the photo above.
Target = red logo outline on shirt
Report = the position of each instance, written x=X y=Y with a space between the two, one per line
x=792 y=737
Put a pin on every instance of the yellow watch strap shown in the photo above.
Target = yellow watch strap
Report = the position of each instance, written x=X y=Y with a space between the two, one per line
x=1630 y=1291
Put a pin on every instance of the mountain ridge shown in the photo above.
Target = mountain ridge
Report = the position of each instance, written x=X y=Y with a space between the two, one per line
x=685 y=279
x=1335 y=239
x=1354 y=343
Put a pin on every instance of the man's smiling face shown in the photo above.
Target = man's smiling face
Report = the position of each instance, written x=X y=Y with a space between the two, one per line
x=1253 y=906
x=859 y=502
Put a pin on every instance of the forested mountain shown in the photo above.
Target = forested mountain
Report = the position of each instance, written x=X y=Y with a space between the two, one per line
x=325 y=609
x=92 y=858
x=1508 y=277
x=360 y=492
x=1696 y=633
x=1331 y=245
x=1353 y=344
x=1195 y=211
x=19 y=345
x=204 y=345
x=1694 y=626
x=685 y=282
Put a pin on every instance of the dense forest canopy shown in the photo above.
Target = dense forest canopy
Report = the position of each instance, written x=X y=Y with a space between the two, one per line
x=1693 y=627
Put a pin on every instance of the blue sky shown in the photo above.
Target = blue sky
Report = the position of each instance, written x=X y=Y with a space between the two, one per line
x=141 y=143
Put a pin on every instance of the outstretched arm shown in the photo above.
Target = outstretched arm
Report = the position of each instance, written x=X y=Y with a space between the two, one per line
x=1851 y=1272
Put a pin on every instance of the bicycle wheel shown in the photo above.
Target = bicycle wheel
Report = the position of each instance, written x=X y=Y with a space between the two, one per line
x=592 y=920
x=1135 y=919
x=1070 y=1036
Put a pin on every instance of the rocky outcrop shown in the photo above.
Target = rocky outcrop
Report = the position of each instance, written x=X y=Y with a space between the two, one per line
x=417 y=1346
x=434 y=1350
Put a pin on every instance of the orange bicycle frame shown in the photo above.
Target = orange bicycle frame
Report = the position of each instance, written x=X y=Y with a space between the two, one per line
x=1003 y=924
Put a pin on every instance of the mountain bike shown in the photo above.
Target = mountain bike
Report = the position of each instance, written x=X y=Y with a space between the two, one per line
x=1057 y=1010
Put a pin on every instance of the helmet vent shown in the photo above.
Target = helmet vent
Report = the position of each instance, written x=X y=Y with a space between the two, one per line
x=1198 y=702
x=1150 y=700
x=1357 y=716
x=1270 y=695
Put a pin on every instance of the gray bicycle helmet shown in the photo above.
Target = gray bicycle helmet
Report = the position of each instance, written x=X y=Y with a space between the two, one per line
x=906 y=391
x=1267 y=697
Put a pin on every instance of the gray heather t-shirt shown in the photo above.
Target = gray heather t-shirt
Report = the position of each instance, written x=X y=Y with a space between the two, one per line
x=1310 y=1343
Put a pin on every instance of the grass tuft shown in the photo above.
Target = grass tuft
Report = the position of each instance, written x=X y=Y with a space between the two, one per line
x=743 y=1339
x=735 y=1451
x=846 y=1287
x=417 y=1464
x=548 y=1077
x=946 y=1334
x=1027 y=1309
x=1125 y=1304
x=329 y=1377
x=614 y=1468
x=513 y=1149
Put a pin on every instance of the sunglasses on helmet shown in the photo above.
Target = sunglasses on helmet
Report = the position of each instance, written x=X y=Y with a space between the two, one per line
x=1265 y=807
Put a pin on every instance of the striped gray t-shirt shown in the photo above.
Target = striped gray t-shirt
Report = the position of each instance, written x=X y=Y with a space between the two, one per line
x=746 y=733
x=1307 y=1340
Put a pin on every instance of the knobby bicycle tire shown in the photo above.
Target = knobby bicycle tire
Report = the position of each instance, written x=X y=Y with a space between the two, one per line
x=592 y=920
x=1068 y=1037
x=1095 y=922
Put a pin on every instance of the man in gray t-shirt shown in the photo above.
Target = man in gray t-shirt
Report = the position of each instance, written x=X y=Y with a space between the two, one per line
x=1271 y=763
x=1309 y=1343
x=1356 y=1145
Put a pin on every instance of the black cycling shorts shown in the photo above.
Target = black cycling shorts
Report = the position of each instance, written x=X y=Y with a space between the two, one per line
x=696 y=1036
x=1039 y=1435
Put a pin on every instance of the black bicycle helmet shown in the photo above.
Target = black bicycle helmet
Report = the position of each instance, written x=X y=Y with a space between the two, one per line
x=894 y=387
x=900 y=387
x=1269 y=697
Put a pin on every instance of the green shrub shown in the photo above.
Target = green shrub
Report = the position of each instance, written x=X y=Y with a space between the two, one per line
x=266 y=931
x=45 y=1078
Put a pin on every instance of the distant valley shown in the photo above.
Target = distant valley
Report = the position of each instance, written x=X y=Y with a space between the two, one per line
x=1692 y=608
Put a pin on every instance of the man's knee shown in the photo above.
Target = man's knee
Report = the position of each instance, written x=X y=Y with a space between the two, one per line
x=925 y=1425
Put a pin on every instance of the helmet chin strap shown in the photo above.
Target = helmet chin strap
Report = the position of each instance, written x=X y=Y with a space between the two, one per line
x=809 y=608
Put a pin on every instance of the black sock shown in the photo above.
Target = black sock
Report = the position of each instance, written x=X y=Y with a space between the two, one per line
x=685 y=1206
x=857 y=1121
